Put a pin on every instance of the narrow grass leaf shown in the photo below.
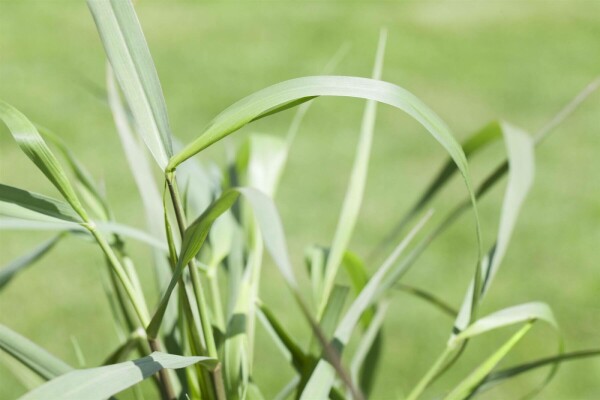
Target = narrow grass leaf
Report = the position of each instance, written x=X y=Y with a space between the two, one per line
x=323 y=376
x=102 y=382
x=356 y=186
x=477 y=142
x=430 y=298
x=130 y=58
x=14 y=267
x=289 y=346
x=497 y=377
x=31 y=355
x=363 y=367
x=506 y=317
x=136 y=159
x=519 y=148
x=355 y=268
x=13 y=199
x=32 y=144
x=334 y=309
x=470 y=383
x=30 y=221
x=193 y=239
x=142 y=175
x=88 y=189
x=248 y=109
x=24 y=375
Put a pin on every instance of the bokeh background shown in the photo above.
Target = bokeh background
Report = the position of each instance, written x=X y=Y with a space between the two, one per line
x=471 y=61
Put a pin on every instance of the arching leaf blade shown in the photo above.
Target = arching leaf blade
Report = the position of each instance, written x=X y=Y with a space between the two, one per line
x=32 y=144
x=102 y=382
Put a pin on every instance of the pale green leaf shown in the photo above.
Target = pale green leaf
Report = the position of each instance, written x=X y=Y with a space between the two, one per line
x=130 y=58
x=470 y=383
x=519 y=148
x=356 y=186
x=32 y=144
x=31 y=355
x=14 y=267
x=506 y=317
x=321 y=379
x=102 y=382
x=87 y=188
x=13 y=201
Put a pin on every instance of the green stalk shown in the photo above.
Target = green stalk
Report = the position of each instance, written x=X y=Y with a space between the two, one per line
x=198 y=292
x=136 y=300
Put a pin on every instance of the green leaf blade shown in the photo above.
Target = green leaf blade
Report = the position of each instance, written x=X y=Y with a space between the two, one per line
x=131 y=61
x=31 y=355
x=102 y=382
x=32 y=144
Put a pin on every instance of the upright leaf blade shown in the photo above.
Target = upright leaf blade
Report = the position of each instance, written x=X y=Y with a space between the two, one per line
x=356 y=186
x=323 y=376
x=130 y=58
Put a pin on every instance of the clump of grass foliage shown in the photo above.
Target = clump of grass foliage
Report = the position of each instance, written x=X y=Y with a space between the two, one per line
x=209 y=231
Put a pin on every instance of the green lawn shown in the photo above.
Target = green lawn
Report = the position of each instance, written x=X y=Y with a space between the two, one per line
x=470 y=61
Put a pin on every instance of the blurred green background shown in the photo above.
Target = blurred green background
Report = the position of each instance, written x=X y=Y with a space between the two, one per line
x=470 y=61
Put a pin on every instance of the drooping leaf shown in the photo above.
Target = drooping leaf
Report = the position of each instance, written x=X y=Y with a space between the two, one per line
x=506 y=317
x=475 y=143
x=248 y=109
x=102 y=382
x=134 y=69
x=519 y=148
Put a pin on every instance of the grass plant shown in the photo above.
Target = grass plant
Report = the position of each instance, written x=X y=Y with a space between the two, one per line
x=208 y=230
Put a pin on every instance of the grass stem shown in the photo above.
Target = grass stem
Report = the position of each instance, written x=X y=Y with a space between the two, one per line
x=197 y=287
